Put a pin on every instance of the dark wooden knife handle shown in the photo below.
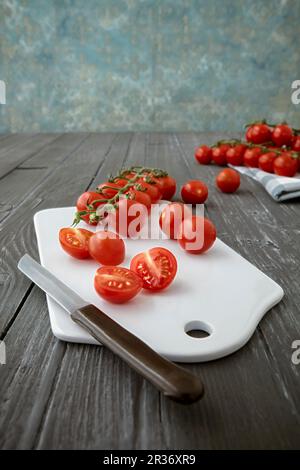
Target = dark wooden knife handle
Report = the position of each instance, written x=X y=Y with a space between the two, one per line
x=173 y=381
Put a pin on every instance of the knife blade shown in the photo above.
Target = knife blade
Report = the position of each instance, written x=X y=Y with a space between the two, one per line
x=173 y=381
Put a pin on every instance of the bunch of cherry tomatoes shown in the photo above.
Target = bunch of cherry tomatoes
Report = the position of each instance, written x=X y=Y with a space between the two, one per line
x=155 y=269
x=272 y=148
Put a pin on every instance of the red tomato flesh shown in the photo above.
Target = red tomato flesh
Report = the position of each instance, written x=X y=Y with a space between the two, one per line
x=117 y=284
x=75 y=241
x=156 y=267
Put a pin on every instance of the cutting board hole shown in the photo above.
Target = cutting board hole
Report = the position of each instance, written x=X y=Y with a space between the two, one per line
x=197 y=329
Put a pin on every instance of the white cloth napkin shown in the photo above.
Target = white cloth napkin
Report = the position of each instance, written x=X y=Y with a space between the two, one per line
x=280 y=188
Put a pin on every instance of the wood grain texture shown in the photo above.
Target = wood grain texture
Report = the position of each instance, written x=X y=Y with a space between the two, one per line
x=59 y=395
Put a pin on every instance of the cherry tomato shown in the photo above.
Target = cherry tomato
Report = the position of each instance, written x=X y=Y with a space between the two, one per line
x=194 y=192
x=128 y=218
x=167 y=186
x=228 y=180
x=219 y=154
x=117 y=284
x=203 y=154
x=234 y=155
x=296 y=143
x=109 y=190
x=107 y=248
x=266 y=161
x=197 y=234
x=152 y=189
x=251 y=157
x=140 y=196
x=172 y=216
x=156 y=267
x=285 y=165
x=75 y=241
x=282 y=135
x=86 y=199
x=122 y=181
x=258 y=133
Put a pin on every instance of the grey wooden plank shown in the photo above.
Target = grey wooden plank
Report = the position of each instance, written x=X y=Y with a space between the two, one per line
x=13 y=141
x=16 y=155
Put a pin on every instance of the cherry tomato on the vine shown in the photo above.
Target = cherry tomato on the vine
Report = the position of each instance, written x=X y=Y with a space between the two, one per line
x=172 y=216
x=75 y=241
x=258 y=133
x=203 y=154
x=282 y=135
x=140 y=196
x=87 y=199
x=228 y=180
x=234 y=155
x=219 y=154
x=107 y=248
x=109 y=190
x=167 y=186
x=197 y=234
x=117 y=284
x=152 y=189
x=251 y=157
x=296 y=143
x=266 y=161
x=285 y=165
x=156 y=267
x=127 y=218
x=194 y=192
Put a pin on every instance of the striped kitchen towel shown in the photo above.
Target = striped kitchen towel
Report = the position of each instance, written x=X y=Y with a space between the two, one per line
x=280 y=188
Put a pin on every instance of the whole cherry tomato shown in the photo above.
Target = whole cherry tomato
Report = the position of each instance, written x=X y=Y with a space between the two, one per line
x=86 y=199
x=107 y=248
x=235 y=155
x=109 y=190
x=127 y=218
x=296 y=143
x=156 y=267
x=282 y=135
x=194 y=192
x=167 y=186
x=75 y=241
x=152 y=189
x=219 y=154
x=172 y=216
x=251 y=157
x=285 y=165
x=197 y=234
x=266 y=161
x=140 y=196
x=117 y=284
x=258 y=133
x=203 y=154
x=228 y=180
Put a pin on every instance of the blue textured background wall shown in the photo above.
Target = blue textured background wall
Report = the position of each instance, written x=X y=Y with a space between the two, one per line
x=147 y=65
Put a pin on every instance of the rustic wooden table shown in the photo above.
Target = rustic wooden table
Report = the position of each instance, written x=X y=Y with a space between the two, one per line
x=59 y=395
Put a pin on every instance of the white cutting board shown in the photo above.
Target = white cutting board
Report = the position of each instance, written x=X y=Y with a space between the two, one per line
x=218 y=291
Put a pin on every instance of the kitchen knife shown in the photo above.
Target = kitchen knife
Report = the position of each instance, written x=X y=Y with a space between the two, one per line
x=173 y=381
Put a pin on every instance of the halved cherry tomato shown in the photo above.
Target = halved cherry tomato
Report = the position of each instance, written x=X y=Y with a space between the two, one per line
x=75 y=241
x=172 y=216
x=167 y=186
x=251 y=157
x=228 y=180
x=87 y=199
x=203 y=154
x=194 y=192
x=117 y=284
x=282 y=135
x=156 y=267
x=152 y=189
x=107 y=248
x=219 y=154
x=235 y=155
x=285 y=165
x=266 y=162
x=258 y=133
x=197 y=234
